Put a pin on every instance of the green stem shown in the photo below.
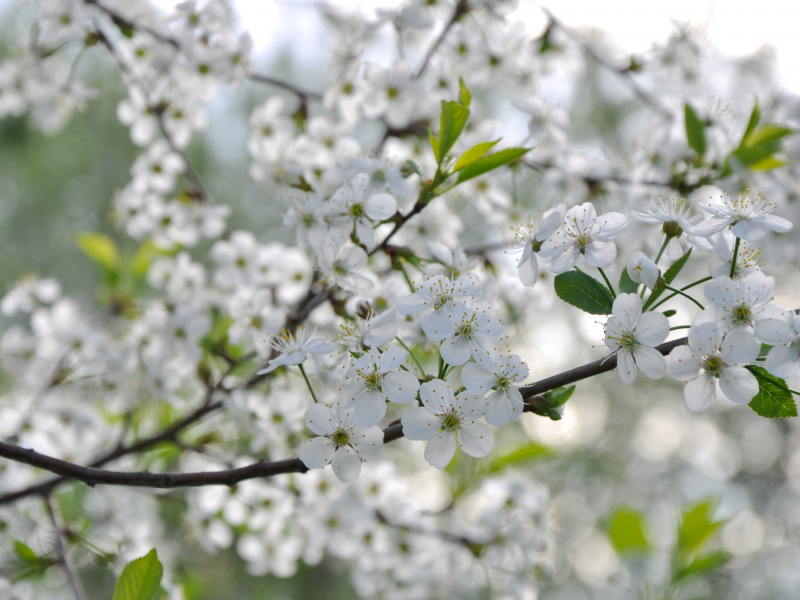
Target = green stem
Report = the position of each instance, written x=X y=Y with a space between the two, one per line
x=663 y=247
x=608 y=283
x=683 y=289
x=411 y=354
x=408 y=279
x=308 y=383
x=685 y=295
x=735 y=255
x=680 y=327
x=795 y=392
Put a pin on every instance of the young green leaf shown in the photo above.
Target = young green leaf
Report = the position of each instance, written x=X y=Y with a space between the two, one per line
x=140 y=579
x=626 y=284
x=560 y=395
x=464 y=95
x=696 y=528
x=584 y=292
x=701 y=565
x=752 y=123
x=99 y=248
x=523 y=454
x=452 y=121
x=434 y=145
x=473 y=154
x=669 y=277
x=774 y=400
x=670 y=313
x=695 y=130
x=489 y=163
x=626 y=530
x=24 y=553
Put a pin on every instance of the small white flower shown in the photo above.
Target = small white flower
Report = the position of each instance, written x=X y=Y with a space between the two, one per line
x=341 y=442
x=709 y=357
x=746 y=257
x=374 y=379
x=437 y=292
x=749 y=220
x=465 y=330
x=338 y=266
x=529 y=241
x=27 y=293
x=350 y=208
x=643 y=270
x=583 y=232
x=255 y=316
x=294 y=347
x=370 y=331
x=448 y=421
x=668 y=210
x=156 y=169
x=453 y=263
x=502 y=375
x=741 y=307
x=783 y=359
x=632 y=336
x=305 y=216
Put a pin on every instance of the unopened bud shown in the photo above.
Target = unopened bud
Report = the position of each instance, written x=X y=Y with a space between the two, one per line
x=363 y=309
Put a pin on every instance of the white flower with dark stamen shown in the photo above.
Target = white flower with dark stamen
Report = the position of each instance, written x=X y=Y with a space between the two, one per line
x=501 y=375
x=710 y=357
x=370 y=331
x=448 y=421
x=746 y=257
x=741 y=307
x=294 y=347
x=584 y=232
x=632 y=336
x=529 y=241
x=453 y=263
x=783 y=359
x=375 y=379
x=338 y=266
x=668 y=210
x=352 y=210
x=465 y=330
x=437 y=292
x=643 y=270
x=748 y=219
x=341 y=442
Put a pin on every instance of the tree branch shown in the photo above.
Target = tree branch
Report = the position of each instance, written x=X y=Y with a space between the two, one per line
x=61 y=547
x=93 y=476
x=459 y=11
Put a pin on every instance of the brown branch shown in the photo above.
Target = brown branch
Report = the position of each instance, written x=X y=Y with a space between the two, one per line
x=459 y=11
x=93 y=476
x=61 y=547
x=289 y=87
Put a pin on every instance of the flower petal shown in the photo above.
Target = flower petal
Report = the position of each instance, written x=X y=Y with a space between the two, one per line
x=317 y=452
x=400 y=386
x=441 y=449
x=320 y=420
x=420 y=424
x=380 y=206
x=346 y=464
x=455 y=350
x=783 y=361
x=600 y=253
x=650 y=361
x=477 y=378
x=738 y=384
x=626 y=367
x=700 y=393
x=367 y=440
x=369 y=409
x=438 y=327
x=476 y=439
x=653 y=328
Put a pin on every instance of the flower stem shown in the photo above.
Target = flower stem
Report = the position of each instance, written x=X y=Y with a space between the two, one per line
x=308 y=383
x=608 y=283
x=795 y=392
x=685 y=295
x=411 y=354
x=663 y=247
x=735 y=255
x=683 y=289
x=408 y=279
x=680 y=327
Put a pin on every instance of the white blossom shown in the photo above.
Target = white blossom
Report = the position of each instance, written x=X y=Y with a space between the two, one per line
x=748 y=219
x=368 y=331
x=437 y=292
x=293 y=348
x=448 y=421
x=465 y=329
x=783 y=359
x=530 y=239
x=501 y=375
x=353 y=211
x=643 y=270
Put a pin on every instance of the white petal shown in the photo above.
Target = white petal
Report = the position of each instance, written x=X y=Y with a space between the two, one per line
x=353 y=258
x=400 y=386
x=707 y=228
x=367 y=440
x=738 y=384
x=369 y=409
x=477 y=378
x=653 y=328
x=380 y=206
x=684 y=365
x=563 y=261
x=346 y=464
x=441 y=449
x=317 y=452
x=774 y=223
x=626 y=367
x=740 y=345
x=412 y=304
x=783 y=361
x=600 y=253
x=420 y=424
x=627 y=309
x=650 y=361
x=438 y=327
x=455 y=350
x=750 y=231
x=476 y=439
x=498 y=411
x=320 y=420
x=609 y=225
x=438 y=396
x=392 y=358
x=529 y=270
x=700 y=393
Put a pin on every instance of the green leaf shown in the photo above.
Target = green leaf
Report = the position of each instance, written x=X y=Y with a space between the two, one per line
x=755 y=117
x=584 y=292
x=434 y=145
x=25 y=554
x=626 y=284
x=765 y=348
x=769 y=163
x=774 y=400
x=766 y=134
x=99 y=248
x=669 y=277
x=452 y=121
x=695 y=130
x=701 y=565
x=670 y=313
x=560 y=395
x=491 y=162
x=473 y=154
x=464 y=95
x=626 y=529
x=525 y=453
x=140 y=579
x=696 y=528
x=416 y=168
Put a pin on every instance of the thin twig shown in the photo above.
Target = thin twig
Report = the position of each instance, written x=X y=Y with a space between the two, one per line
x=459 y=11
x=61 y=547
